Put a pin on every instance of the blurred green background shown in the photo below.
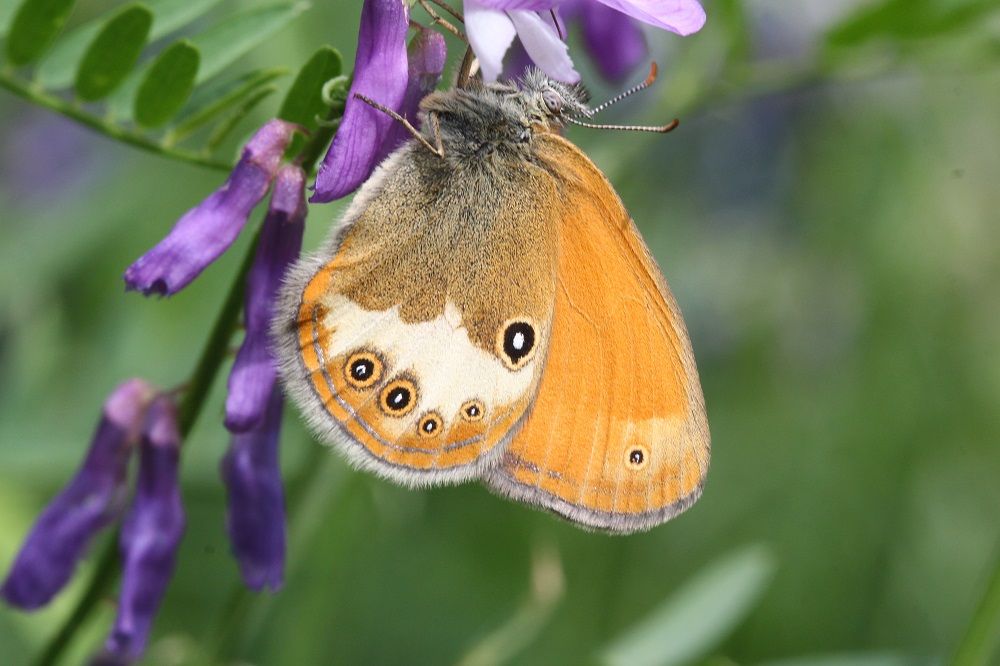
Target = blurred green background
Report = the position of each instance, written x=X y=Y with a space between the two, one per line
x=827 y=216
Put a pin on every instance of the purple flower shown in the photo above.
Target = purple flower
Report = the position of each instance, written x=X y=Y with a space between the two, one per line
x=208 y=229
x=87 y=505
x=380 y=73
x=253 y=374
x=493 y=24
x=150 y=534
x=613 y=40
x=426 y=54
x=255 y=518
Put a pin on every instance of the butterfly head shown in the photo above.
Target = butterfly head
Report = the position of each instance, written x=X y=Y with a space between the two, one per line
x=552 y=103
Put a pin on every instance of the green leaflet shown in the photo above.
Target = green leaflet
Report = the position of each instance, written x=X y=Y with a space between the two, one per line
x=113 y=53
x=219 y=46
x=59 y=67
x=211 y=101
x=304 y=100
x=223 y=129
x=35 y=26
x=696 y=618
x=167 y=85
x=225 y=42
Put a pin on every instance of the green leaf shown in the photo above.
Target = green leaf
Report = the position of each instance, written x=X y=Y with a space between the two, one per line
x=113 y=53
x=167 y=85
x=174 y=14
x=59 y=66
x=209 y=102
x=859 y=659
x=36 y=24
x=304 y=100
x=908 y=19
x=7 y=9
x=225 y=42
x=223 y=129
x=699 y=616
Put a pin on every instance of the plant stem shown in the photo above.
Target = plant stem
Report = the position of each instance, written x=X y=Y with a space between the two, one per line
x=980 y=638
x=313 y=148
x=216 y=347
x=123 y=134
x=104 y=576
x=212 y=356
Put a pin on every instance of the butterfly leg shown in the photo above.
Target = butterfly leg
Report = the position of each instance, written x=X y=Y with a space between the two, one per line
x=436 y=128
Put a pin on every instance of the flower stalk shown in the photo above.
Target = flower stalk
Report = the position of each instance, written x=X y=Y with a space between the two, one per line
x=105 y=127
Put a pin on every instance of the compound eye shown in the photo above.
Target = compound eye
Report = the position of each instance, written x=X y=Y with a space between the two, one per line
x=553 y=102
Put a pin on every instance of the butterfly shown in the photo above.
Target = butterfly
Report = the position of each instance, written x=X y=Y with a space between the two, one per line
x=487 y=310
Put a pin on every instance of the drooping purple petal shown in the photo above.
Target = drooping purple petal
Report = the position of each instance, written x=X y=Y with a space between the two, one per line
x=208 y=229
x=542 y=42
x=516 y=62
x=150 y=535
x=92 y=499
x=683 y=17
x=255 y=518
x=533 y=5
x=380 y=73
x=426 y=55
x=613 y=40
x=253 y=374
x=490 y=34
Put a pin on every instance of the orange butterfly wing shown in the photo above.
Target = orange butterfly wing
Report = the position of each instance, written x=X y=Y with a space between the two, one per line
x=617 y=438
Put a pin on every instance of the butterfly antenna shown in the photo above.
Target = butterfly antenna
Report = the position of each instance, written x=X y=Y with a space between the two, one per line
x=404 y=122
x=653 y=71
x=658 y=129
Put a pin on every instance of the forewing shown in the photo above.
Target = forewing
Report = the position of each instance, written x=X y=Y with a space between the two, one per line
x=420 y=331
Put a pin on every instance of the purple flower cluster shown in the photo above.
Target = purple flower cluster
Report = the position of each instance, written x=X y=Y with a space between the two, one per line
x=137 y=420
x=609 y=32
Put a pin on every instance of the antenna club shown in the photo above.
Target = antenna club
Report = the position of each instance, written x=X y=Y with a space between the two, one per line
x=670 y=127
x=654 y=71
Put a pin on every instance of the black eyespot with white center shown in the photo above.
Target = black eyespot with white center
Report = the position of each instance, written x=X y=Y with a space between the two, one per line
x=430 y=424
x=363 y=369
x=473 y=410
x=399 y=397
x=516 y=343
x=637 y=457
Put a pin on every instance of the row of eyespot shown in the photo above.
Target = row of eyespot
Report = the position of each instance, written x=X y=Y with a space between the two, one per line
x=364 y=369
x=398 y=398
